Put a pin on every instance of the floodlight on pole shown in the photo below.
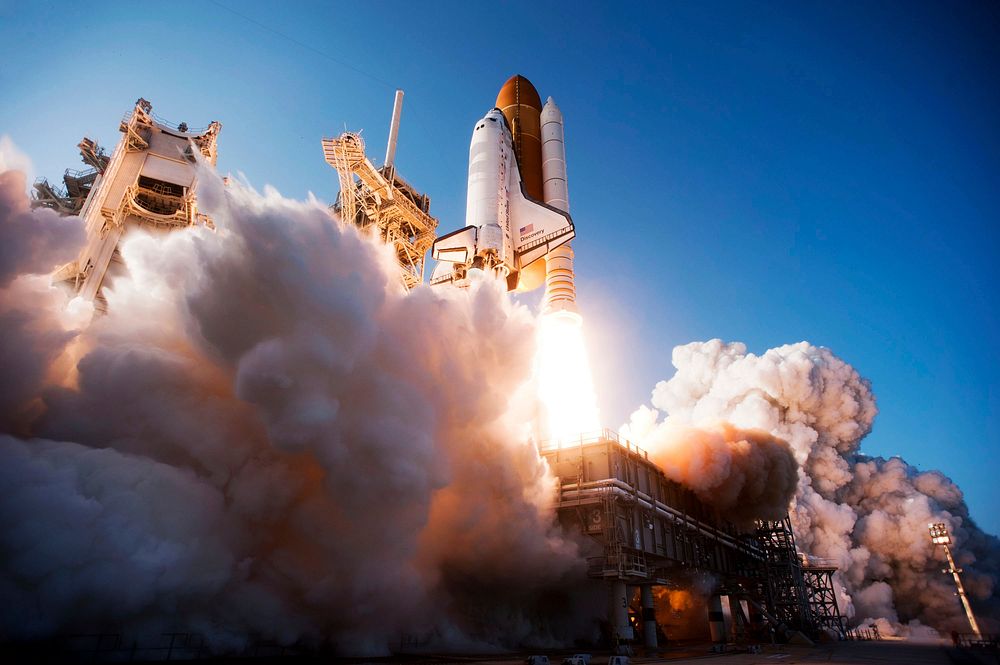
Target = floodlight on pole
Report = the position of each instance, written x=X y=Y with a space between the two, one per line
x=939 y=536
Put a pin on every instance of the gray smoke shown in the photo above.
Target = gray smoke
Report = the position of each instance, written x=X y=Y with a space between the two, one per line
x=870 y=515
x=747 y=474
x=32 y=241
x=34 y=321
x=266 y=435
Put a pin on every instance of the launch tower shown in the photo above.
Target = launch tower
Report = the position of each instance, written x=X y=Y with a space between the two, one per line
x=379 y=200
x=148 y=182
x=651 y=531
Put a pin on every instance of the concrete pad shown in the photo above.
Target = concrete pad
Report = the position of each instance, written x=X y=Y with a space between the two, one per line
x=838 y=653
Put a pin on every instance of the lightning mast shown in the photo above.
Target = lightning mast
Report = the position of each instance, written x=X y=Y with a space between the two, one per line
x=379 y=200
x=939 y=536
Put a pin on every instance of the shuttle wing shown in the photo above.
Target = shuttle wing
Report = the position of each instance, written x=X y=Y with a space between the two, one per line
x=456 y=247
x=537 y=228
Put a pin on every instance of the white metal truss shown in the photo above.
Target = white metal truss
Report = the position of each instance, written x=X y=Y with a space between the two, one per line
x=380 y=201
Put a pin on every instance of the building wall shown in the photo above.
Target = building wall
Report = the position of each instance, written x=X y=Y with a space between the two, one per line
x=653 y=517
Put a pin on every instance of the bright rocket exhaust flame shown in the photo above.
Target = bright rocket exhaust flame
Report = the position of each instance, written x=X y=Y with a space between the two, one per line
x=565 y=384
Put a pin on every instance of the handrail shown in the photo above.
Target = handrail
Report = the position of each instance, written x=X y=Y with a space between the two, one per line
x=175 y=127
x=538 y=242
x=598 y=436
x=181 y=215
x=809 y=561
x=674 y=514
x=80 y=173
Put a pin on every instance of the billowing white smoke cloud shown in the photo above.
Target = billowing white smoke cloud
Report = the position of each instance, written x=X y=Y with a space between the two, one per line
x=33 y=315
x=12 y=159
x=32 y=240
x=265 y=435
x=870 y=515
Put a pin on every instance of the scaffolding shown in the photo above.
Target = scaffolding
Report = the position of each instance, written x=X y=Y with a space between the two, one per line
x=651 y=529
x=380 y=202
x=781 y=583
x=148 y=181
x=817 y=576
x=647 y=526
x=77 y=183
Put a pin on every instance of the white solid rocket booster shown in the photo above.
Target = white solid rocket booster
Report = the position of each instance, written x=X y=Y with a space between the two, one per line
x=560 y=291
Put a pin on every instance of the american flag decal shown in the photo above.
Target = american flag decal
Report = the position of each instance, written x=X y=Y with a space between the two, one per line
x=527 y=229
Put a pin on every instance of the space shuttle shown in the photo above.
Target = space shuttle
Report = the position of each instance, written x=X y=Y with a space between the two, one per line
x=509 y=230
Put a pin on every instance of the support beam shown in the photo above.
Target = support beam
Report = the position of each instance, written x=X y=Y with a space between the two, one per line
x=648 y=618
x=716 y=619
x=620 y=627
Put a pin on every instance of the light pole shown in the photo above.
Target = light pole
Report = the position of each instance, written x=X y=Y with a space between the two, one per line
x=939 y=536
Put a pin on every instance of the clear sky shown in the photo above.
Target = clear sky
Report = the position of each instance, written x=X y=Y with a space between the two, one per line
x=757 y=172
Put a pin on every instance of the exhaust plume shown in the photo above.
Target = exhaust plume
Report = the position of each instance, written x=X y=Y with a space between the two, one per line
x=266 y=435
x=868 y=514
x=565 y=384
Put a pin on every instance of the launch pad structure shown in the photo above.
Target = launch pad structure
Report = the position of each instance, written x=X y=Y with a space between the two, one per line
x=379 y=200
x=148 y=182
x=646 y=530
x=817 y=578
x=650 y=531
x=77 y=183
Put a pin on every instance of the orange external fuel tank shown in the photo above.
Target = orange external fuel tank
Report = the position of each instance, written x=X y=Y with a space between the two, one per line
x=520 y=104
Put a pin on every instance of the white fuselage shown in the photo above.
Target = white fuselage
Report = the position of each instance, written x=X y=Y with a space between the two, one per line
x=505 y=230
x=491 y=165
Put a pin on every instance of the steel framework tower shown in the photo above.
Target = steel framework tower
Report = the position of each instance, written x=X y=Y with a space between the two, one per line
x=783 y=585
x=380 y=201
x=817 y=574
x=69 y=199
x=148 y=182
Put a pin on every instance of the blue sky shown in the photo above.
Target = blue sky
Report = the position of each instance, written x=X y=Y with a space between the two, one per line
x=756 y=172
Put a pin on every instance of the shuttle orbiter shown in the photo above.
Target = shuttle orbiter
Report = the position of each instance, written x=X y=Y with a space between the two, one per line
x=507 y=230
